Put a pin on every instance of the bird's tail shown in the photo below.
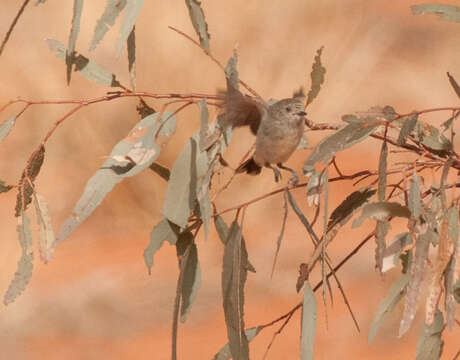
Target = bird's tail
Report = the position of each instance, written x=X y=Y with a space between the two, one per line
x=249 y=167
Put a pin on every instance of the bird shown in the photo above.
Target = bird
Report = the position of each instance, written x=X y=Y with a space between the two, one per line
x=278 y=128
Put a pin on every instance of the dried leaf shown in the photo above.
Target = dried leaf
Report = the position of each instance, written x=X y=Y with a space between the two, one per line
x=25 y=264
x=70 y=52
x=387 y=305
x=131 y=46
x=233 y=279
x=199 y=22
x=317 y=75
x=163 y=231
x=133 y=8
x=431 y=138
x=6 y=127
x=453 y=82
x=417 y=274
x=46 y=234
x=130 y=156
x=161 y=170
x=27 y=180
x=382 y=210
x=4 y=187
x=225 y=354
x=430 y=343
x=88 y=69
x=113 y=8
x=444 y=11
x=308 y=326
x=342 y=139
x=408 y=125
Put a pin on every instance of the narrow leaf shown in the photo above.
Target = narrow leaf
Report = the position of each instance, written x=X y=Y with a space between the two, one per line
x=452 y=80
x=408 y=125
x=414 y=196
x=199 y=22
x=342 y=139
x=163 y=231
x=430 y=343
x=233 y=280
x=113 y=8
x=131 y=46
x=444 y=11
x=225 y=354
x=161 y=170
x=25 y=264
x=381 y=231
x=4 y=187
x=87 y=68
x=133 y=8
x=381 y=211
x=382 y=180
x=46 y=235
x=130 y=156
x=308 y=327
x=25 y=189
x=191 y=281
x=75 y=29
x=387 y=305
x=280 y=236
x=317 y=75
x=204 y=126
x=6 y=127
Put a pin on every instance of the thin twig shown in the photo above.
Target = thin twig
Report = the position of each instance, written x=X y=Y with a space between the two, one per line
x=13 y=24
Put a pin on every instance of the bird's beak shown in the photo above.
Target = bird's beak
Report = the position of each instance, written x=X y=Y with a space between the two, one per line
x=302 y=113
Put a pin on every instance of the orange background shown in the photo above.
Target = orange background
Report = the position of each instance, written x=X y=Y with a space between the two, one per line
x=95 y=300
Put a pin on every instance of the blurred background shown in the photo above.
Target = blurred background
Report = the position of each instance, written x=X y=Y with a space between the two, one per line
x=95 y=299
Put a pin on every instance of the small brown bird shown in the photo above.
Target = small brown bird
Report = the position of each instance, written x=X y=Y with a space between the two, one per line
x=278 y=128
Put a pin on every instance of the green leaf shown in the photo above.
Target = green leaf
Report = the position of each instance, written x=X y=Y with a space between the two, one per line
x=130 y=156
x=131 y=47
x=25 y=264
x=381 y=211
x=308 y=327
x=430 y=343
x=453 y=82
x=387 y=305
x=231 y=73
x=381 y=231
x=161 y=232
x=133 y=8
x=317 y=75
x=234 y=275
x=444 y=11
x=70 y=52
x=6 y=127
x=46 y=235
x=28 y=176
x=199 y=22
x=414 y=196
x=113 y=8
x=344 y=138
x=225 y=354
x=382 y=181
x=4 y=187
x=87 y=68
x=204 y=126
x=408 y=125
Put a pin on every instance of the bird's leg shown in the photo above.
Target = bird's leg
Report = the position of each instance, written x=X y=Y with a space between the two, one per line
x=275 y=171
x=295 y=178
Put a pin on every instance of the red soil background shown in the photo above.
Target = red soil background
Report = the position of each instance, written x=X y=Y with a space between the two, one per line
x=95 y=300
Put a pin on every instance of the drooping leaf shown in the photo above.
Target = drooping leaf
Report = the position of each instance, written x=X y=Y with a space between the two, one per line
x=444 y=11
x=46 y=234
x=4 y=187
x=231 y=71
x=417 y=274
x=87 y=68
x=204 y=126
x=387 y=305
x=414 y=196
x=131 y=47
x=6 y=127
x=340 y=140
x=25 y=264
x=133 y=8
x=317 y=75
x=113 y=8
x=130 y=156
x=75 y=29
x=382 y=210
x=199 y=22
x=161 y=232
x=381 y=231
x=25 y=189
x=431 y=138
x=308 y=326
x=408 y=125
x=315 y=187
x=234 y=275
x=280 y=236
x=430 y=343
x=225 y=354
x=382 y=180
x=452 y=81
x=394 y=250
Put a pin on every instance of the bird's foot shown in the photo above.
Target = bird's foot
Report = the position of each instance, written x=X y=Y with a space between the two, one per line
x=276 y=172
x=294 y=180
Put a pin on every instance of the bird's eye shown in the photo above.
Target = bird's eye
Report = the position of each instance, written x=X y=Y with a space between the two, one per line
x=288 y=109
